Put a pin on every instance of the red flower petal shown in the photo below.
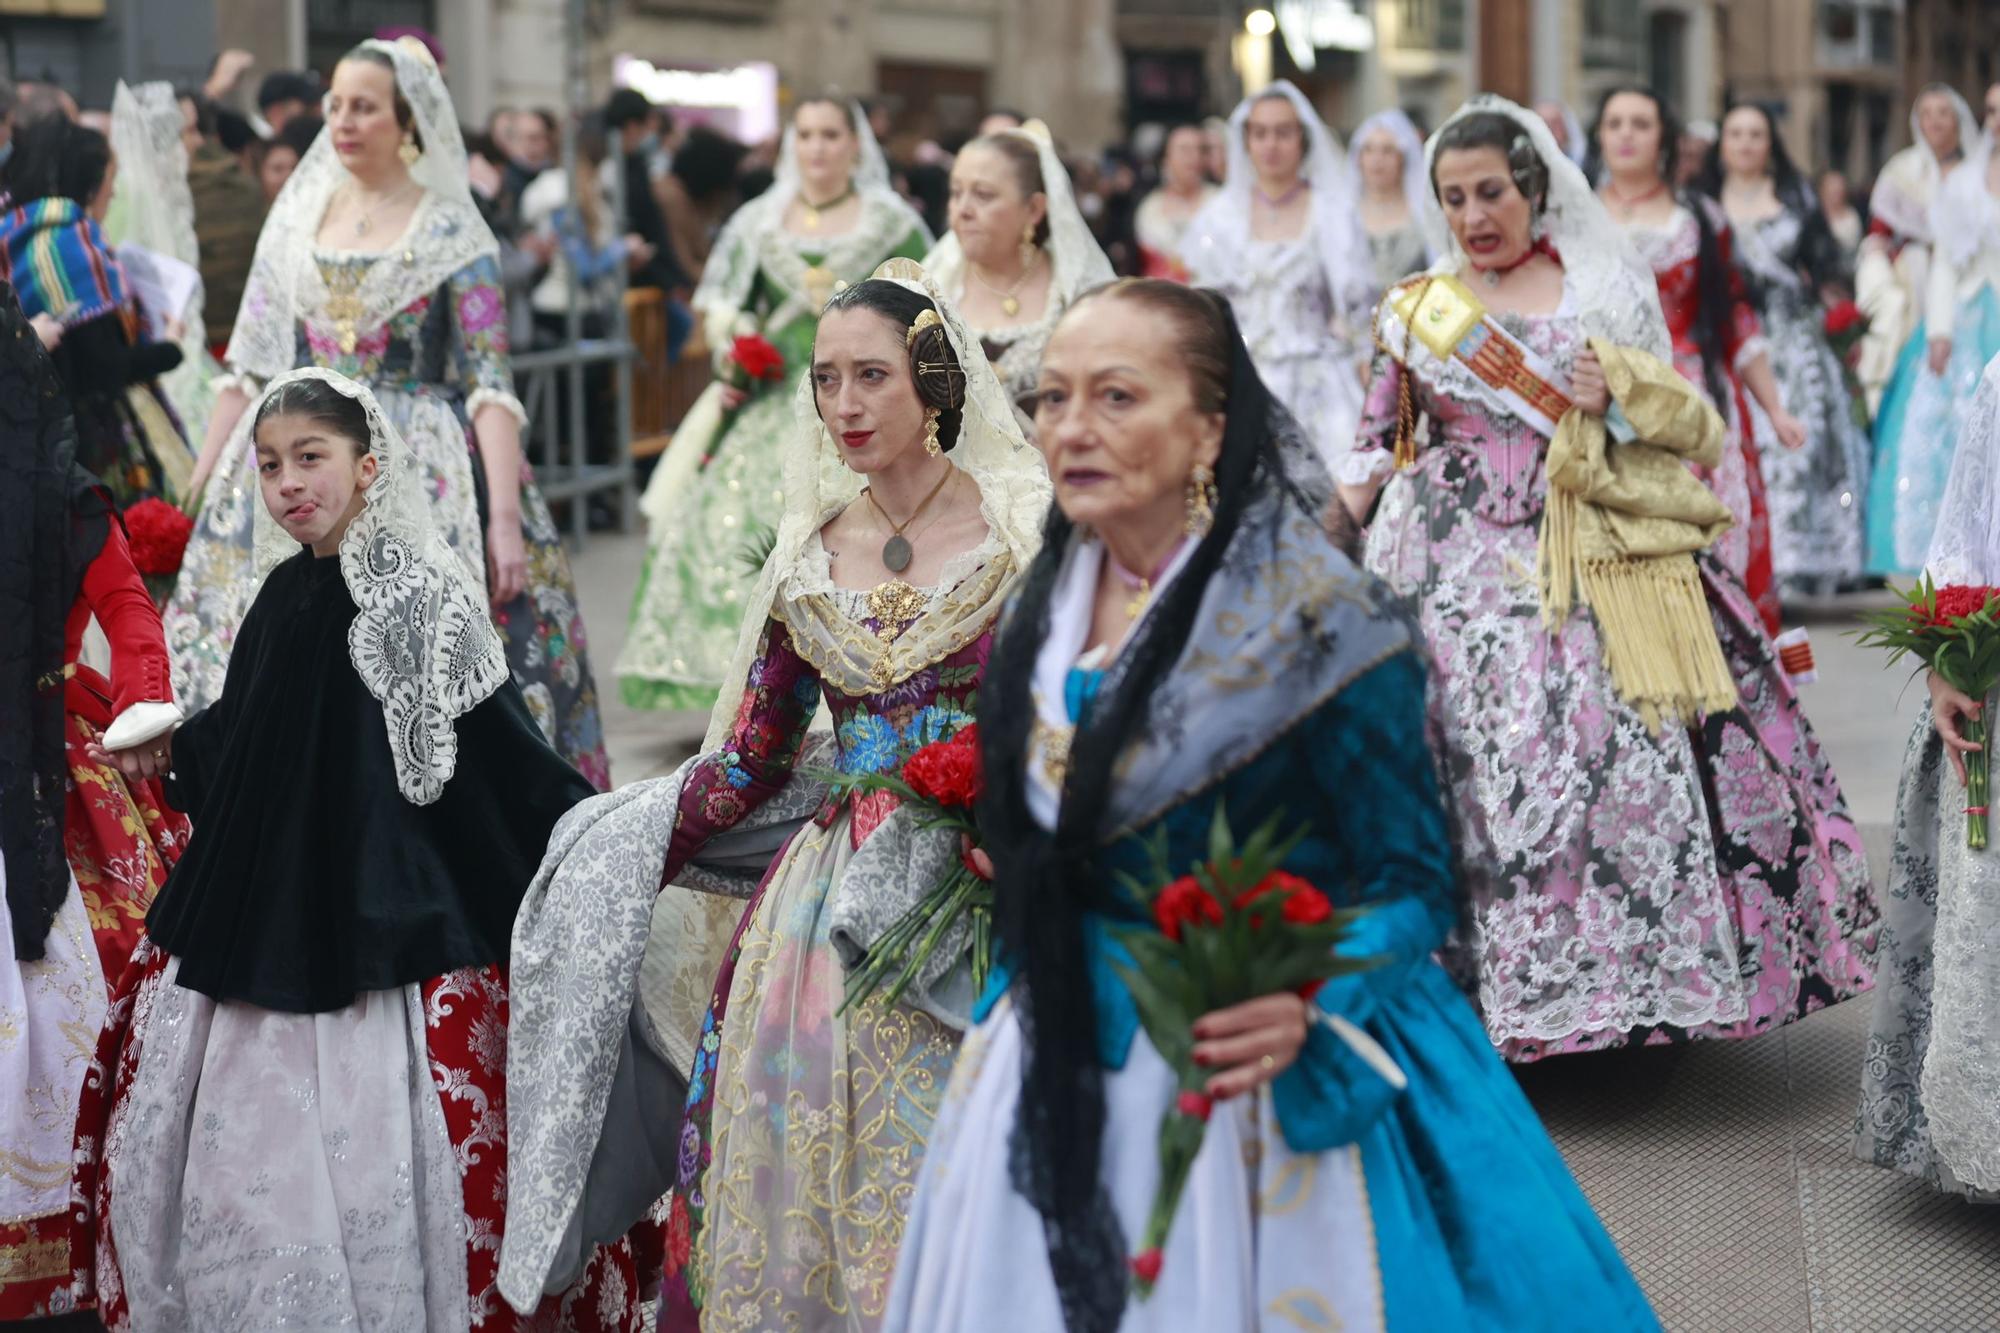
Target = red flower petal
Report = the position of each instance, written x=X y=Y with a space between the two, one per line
x=1146 y=1266
x=1194 y=1104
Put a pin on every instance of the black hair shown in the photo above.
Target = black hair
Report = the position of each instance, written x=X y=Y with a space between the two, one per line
x=1819 y=253
x=404 y=116
x=844 y=105
x=204 y=110
x=233 y=130
x=299 y=132
x=624 y=106
x=1048 y=881
x=1022 y=156
x=706 y=163
x=317 y=400
x=1173 y=128
x=290 y=86
x=57 y=158
x=1712 y=270
x=934 y=366
x=1490 y=129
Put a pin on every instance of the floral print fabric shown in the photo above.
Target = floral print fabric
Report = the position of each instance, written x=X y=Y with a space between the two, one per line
x=1624 y=887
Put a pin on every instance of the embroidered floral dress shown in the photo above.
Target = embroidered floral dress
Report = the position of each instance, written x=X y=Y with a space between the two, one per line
x=1625 y=887
x=805 y=1127
x=1816 y=492
x=433 y=365
x=1674 y=252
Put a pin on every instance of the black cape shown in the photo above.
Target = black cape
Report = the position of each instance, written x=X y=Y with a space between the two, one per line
x=309 y=878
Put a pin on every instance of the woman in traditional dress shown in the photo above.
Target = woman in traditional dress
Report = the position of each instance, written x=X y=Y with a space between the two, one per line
x=298 y=1107
x=375 y=262
x=1162 y=220
x=82 y=846
x=1655 y=847
x=60 y=181
x=1786 y=256
x=1347 y=1174
x=1385 y=175
x=831 y=217
x=1924 y=409
x=1283 y=240
x=1019 y=250
x=912 y=504
x=1930 y=1084
x=1718 y=344
x=1893 y=271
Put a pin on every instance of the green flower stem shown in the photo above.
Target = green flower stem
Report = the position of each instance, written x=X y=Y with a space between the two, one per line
x=1180 y=1144
x=1978 y=783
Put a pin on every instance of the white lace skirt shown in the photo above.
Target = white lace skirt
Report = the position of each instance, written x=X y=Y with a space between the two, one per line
x=1265 y=1238
x=283 y=1170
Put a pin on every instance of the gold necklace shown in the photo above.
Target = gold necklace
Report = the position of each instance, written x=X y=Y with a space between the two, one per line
x=813 y=210
x=1010 y=303
x=366 y=221
x=897 y=551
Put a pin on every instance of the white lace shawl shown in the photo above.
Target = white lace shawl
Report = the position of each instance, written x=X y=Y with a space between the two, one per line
x=421 y=640
x=1963 y=215
x=445 y=232
x=1909 y=183
x=1965 y=545
x=1217 y=248
x=755 y=237
x=1416 y=178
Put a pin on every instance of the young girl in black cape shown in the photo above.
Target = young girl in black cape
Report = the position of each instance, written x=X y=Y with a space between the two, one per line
x=299 y=1113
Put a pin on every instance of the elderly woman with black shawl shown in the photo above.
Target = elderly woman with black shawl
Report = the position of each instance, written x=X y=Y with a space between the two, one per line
x=1189 y=642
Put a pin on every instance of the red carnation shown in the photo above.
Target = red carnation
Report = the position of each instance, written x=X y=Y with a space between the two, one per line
x=1307 y=906
x=158 y=533
x=1146 y=1266
x=1958 y=601
x=1841 y=317
x=759 y=359
x=1195 y=1104
x=946 y=772
x=1184 y=903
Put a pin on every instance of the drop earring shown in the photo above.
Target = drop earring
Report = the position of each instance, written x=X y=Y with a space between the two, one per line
x=1200 y=500
x=932 y=445
x=1028 y=246
x=409 y=151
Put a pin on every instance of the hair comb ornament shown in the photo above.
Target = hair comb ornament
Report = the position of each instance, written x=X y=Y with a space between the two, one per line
x=926 y=319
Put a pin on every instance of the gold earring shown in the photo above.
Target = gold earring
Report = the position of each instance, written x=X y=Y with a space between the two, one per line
x=1028 y=246
x=409 y=152
x=932 y=445
x=1200 y=500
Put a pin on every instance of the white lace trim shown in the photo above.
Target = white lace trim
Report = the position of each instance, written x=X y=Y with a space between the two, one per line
x=506 y=402
x=1965 y=544
x=1668 y=245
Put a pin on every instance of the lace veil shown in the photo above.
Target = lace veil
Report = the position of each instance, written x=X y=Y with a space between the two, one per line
x=756 y=232
x=1219 y=238
x=1907 y=187
x=1610 y=289
x=1416 y=184
x=421 y=640
x=1963 y=216
x=1076 y=261
x=445 y=232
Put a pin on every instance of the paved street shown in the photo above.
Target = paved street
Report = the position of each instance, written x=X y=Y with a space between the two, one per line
x=1722 y=1169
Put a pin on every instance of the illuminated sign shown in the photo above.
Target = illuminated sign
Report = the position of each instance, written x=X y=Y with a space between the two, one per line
x=750 y=91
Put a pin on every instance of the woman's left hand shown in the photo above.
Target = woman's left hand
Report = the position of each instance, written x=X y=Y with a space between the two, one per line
x=141 y=763
x=1791 y=431
x=506 y=559
x=1250 y=1043
x=1589 y=389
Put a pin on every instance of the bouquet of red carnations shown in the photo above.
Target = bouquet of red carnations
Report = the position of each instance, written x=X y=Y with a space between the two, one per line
x=158 y=533
x=939 y=785
x=753 y=359
x=1955 y=631
x=1235 y=928
x=1845 y=327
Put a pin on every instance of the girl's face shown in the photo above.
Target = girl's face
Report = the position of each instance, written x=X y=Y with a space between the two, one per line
x=314 y=479
x=864 y=389
x=279 y=163
x=989 y=213
x=1275 y=138
x=1483 y=206
x=1746 y=142
x=1180 y=163
x=1629 y=133
x=826 y=147
x=1381 y=162
x=361 y=117
x=1937 y=120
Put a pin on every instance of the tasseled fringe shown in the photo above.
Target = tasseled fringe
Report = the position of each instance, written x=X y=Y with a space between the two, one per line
x=1659 y=641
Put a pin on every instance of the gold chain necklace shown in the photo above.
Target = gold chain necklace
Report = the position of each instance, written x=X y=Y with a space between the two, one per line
x=813 y=210
x=1009 y=300
x=897 y=551
x=366 y=221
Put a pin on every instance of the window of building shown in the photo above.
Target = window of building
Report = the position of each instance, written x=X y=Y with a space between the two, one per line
x=1858 y=34
x=1430 y=25
x=1611 y=35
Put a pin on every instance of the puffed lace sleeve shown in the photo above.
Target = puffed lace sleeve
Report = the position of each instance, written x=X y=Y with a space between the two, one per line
x=1374 y=452
x=1965 y=546
x=479 y=353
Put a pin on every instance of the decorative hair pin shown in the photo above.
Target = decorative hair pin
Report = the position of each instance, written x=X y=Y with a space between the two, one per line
x=926 y=319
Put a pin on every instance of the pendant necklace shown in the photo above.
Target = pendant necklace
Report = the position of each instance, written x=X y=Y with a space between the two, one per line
x=1491 y=276
x=897 y=552
x=364 y=223
x=813 y=210
x=1141 y=585
x=1284 y=198
x=1628 y=207
x=1010 y=301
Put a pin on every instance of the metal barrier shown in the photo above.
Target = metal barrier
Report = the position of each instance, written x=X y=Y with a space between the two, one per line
x=557 y=441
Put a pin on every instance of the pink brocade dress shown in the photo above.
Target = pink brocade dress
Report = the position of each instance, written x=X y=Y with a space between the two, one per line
x=1625 y=887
